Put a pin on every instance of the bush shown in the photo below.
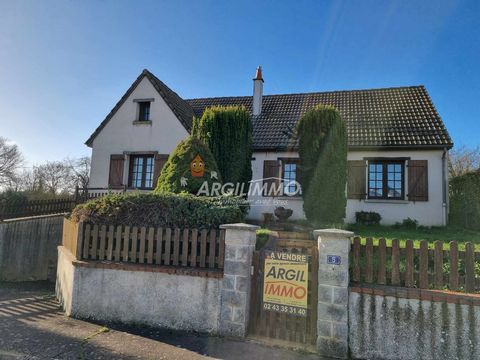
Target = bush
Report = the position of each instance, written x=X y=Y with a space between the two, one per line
x=177 y=176
x=465 y=201
x=10 y=197
x=323 y=164
x=407 y=223
x=368 y=218
x=227 y=131
x=162 y=210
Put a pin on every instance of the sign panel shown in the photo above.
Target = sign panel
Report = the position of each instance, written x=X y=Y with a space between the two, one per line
x=334 y=259
x=285 y=283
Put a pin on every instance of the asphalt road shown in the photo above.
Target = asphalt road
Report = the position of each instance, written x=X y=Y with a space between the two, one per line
x=32 y=326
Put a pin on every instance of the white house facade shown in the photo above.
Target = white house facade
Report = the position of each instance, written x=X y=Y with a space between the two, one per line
x=396 y=160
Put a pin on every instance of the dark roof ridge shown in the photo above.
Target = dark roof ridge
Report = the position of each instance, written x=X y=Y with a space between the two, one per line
x=315 y=92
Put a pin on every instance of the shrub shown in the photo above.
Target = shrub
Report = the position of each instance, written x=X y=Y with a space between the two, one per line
x=407 y=223
x=164 y=210
x=10 y=197
x=323 y=164
x=177 y=176
x=465 y=201
x=227 y=131
x=368 y=218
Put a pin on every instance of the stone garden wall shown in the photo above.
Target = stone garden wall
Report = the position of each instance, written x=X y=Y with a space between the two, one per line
x=182 y=298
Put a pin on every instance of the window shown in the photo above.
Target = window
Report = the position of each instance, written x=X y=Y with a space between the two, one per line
x=141 y=172
x=290 y=183
x=144 y=111
x=386 y=179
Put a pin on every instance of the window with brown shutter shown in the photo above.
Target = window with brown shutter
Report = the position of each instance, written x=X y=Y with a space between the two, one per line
x=418 y=180
x=271 y=177
x=115 y=178
x=160 y=160
x=356 y=179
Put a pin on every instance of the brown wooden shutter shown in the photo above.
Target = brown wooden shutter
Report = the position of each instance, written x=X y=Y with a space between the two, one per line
x=160 y=160
x=418 y=180
x=115 y=178
x=356 y=179
x=271 y=175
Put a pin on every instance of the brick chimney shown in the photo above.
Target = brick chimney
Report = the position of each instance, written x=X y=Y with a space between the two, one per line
x=257 y=92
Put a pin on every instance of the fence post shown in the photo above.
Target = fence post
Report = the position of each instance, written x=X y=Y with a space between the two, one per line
x=3 y=206
x=240 y=242
x=333 y=280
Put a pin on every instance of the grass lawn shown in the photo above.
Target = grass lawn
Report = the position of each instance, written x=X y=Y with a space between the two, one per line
x=445 y=234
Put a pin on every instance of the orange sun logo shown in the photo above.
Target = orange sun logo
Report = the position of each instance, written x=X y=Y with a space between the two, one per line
x=197 y=167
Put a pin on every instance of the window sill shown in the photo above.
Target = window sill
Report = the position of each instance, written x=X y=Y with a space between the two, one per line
x=385 y=201
x=142 y=122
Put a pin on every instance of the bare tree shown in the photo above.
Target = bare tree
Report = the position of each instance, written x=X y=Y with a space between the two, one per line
x=80 y=169
x=55 y=177
x=10 y=161
x=463 y=160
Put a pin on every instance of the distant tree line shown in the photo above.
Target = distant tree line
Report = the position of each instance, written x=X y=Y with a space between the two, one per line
x=47 y=180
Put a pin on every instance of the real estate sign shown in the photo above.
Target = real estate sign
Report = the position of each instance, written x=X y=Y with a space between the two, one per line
x=285 y=285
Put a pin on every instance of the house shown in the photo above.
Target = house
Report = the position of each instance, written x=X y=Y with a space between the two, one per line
x=397 y=157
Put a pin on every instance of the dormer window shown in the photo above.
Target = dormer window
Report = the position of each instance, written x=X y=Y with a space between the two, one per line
x=144 y=111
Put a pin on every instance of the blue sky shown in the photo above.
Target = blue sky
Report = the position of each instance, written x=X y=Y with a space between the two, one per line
x=64 y=64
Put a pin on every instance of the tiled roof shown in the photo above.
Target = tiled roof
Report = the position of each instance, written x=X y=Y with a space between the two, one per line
x=392 y=117
x=180 y=107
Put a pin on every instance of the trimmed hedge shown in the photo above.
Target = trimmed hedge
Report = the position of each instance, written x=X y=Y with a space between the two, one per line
x=323 y=164
x=162 y=210
x=227 y=131
x=465 y=201
x=178 y=167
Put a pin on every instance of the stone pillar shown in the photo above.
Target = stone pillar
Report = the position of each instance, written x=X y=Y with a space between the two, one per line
x=333 y=280
x=240 y=242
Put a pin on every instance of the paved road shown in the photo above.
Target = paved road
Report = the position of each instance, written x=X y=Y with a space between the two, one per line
x=33 y=327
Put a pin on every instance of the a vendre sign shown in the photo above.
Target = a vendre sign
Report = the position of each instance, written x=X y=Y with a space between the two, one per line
x=285 y=286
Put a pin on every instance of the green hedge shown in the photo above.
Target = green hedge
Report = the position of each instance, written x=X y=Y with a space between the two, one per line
x=162 y=210
x=323 y=164
x=465 y=201
x=177 y=168
x=227 y=131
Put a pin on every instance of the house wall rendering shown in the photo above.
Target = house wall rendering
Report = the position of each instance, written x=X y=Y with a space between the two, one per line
x=430 y=213
x=122 y=136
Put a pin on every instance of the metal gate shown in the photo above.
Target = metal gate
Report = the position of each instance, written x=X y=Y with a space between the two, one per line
x=280 y=328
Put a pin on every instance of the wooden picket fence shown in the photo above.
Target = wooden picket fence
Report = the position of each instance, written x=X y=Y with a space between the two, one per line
x=156 y=246
x=421 y=267
x=23 y=208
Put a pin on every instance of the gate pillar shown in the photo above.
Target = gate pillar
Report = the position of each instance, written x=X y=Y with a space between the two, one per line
x=240 y=242
x=333 y=280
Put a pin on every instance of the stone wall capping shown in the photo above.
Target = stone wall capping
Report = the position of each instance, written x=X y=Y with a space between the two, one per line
x=333 y=233
x=240 y=226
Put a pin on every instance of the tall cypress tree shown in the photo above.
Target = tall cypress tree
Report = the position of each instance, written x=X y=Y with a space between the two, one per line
x=227 y=131
x=323 y=164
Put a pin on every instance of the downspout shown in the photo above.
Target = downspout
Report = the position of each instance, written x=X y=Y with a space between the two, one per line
x=444 y=187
